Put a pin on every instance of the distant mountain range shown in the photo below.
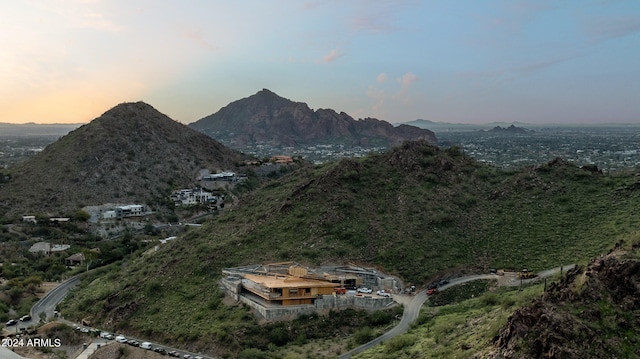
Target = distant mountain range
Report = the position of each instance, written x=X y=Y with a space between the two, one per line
x=508 y=130
x=132 y=153
x=268 y=119
x=36 y=130
x=449 y=126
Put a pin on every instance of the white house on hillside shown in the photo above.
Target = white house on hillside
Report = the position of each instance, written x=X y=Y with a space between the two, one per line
x=47 y=248
x=193 y=196
x=130 y=210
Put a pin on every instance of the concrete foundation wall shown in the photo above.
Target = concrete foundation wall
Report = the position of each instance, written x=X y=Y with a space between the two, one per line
x=232 y=287
x=322 y=304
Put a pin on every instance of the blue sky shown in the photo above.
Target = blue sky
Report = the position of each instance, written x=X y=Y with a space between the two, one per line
x=466 y=61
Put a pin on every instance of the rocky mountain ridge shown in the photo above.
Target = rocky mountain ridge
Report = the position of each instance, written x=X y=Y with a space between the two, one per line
x=268 y=119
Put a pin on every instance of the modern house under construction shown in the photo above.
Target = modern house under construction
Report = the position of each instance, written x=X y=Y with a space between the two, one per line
x=285 y=283
x=285 y=290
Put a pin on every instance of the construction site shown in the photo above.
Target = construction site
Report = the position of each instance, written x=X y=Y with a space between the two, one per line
x=279 y=291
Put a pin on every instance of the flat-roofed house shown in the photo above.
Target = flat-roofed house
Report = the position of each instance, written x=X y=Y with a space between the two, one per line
x=48 y=248
x=286 y=289
x=131 y=210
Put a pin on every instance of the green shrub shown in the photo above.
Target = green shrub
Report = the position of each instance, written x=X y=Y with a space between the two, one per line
x=398 y=343
x=253 y=353
x=379 y=317
x=363 y=335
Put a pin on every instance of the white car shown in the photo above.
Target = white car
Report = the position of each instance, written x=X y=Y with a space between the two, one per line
x=145 y=345
x=121 y=339
x=365 y=290
x=382 y=293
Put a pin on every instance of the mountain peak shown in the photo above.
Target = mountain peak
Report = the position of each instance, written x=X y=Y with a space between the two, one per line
x=130 y=109
x=265 y=91
x=268 y=119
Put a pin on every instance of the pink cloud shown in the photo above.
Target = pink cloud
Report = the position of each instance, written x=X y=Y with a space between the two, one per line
x=331 y=56
x=198 y=36
x=381 y=78
x=407 y=79
x=405 y=82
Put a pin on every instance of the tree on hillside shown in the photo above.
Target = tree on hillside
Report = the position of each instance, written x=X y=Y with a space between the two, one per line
x=82 y=216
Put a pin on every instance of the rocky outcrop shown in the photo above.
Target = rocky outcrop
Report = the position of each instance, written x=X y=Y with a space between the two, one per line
x=266 y=118
x=592 y=313
x=509 y=130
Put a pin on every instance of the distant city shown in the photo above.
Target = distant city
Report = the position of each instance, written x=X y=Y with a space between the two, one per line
x=611 y=148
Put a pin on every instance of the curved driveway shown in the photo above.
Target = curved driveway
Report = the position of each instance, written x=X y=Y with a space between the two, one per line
x=47 y=304
x=412 y=310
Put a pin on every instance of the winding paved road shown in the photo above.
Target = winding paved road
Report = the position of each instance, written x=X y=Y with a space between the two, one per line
x=412 y=309
x=48 y=303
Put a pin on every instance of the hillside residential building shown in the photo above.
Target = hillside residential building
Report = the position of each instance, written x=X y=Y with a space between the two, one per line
x=30 y=219
x=221 y=177
x=74 y=260
x=59 y=219
x=282 y=160
x=193 y=196
x=130 y=210
x=48 y=248
x=285 y=290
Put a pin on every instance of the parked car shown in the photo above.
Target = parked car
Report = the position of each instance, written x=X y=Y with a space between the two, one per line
x=25 y=318
x=121 y=339
x=442 y=282
x=160 y=350
x=187 y=356
x=174 y=353
x=12 y=322
x=133 y=343
x=432 y=291
x=382 y=293
x=145 y=345
x=365 y=290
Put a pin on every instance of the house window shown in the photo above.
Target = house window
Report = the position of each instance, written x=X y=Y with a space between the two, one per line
x=293 y=292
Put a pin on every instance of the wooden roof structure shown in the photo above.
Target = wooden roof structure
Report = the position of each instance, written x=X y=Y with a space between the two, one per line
x=286 y=281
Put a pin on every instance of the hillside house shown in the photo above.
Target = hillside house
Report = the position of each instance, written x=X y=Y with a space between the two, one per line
x=48 y=248
x=289 y=283
x=59 y=219
x=29 y=219
x=74 y=260
x=286 y=290
x=194 y=196
x=221 y=177
x=130 y=210
x=281 y=160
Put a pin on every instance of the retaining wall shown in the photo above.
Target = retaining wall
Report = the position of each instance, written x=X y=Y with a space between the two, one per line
x=322 y=305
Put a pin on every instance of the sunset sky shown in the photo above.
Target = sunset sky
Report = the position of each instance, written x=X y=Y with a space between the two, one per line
x=469 y=61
